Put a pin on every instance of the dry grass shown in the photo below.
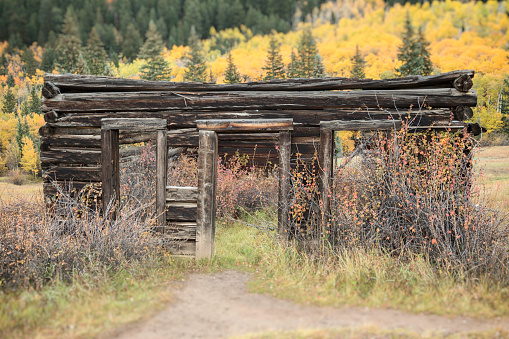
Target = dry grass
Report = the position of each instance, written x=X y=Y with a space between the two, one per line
x=29 y=190
x=492 y=165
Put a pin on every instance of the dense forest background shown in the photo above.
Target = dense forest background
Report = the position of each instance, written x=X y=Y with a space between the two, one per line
x=122 y=23
x=238 y=40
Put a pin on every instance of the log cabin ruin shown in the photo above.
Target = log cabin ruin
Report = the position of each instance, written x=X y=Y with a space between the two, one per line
x=88 y=117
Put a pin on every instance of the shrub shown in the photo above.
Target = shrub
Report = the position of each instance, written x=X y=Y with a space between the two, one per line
x=242 y=188
x=40 y=245
x=408 y=195
x=16 y=176
x=494 y=139
x=3 y=167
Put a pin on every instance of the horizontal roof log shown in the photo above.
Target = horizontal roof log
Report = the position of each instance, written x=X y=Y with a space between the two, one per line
x=245 y=125
x=186 y=119
x=232 y=101
x=66 y=83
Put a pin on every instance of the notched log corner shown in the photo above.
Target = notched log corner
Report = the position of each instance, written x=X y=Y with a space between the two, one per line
x=49 y=90
x=463 y=113
x=463 y=83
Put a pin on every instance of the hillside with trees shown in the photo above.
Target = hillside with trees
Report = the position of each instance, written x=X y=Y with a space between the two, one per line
x=159 y=40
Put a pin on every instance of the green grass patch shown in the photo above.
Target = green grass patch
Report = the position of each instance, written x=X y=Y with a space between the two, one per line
x=374 y=279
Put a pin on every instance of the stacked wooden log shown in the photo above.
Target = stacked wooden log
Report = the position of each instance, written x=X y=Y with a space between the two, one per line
x=74 y=105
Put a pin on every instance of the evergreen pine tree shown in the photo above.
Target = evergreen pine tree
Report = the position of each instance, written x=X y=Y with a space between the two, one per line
x=132 y=42
x=49 y=57
x=35 y=100
x=153 y=45
x=196 y=68
x=4 y=65
x=212 y=78
x=294 y=67
x=69 y=44
x=22 y=130
x=310 y=65
x=232 y=75
x=413 y=52
x=155 y=68
x=82 y=66
x=8 y=102
x=25 y=109
x=274 y=67
x=94 y=54
x=10 y=81
x=504 y=106
x=358 y=65
x=29 y=62
x=424 y=57
x=319 y=71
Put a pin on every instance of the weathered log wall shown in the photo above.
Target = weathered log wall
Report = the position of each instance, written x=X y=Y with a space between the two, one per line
x=74 y=106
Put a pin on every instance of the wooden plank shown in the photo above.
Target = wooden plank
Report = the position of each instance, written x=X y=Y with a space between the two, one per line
x=83 y=83
x=177 y=247
x=181 y=211
x=184 y=230
x=207 y=172
x=133 y=124
x=325 y=157
x=61 y=173
x=361 y=125
x=110 y=164
x=161 y=175
x=234 y=101
x=181 y=193
x=284 y=184
x=245 y=125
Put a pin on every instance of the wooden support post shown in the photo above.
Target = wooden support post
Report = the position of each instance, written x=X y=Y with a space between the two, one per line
x=207 y=172
x=110 y=163
x=325 y=159
x=161 y=174
x=285 y=143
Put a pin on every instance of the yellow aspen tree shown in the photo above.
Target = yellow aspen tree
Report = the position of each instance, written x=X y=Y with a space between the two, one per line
x=30 y=157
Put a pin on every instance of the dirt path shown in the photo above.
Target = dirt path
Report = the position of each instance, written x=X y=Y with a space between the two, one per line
x=218 y=306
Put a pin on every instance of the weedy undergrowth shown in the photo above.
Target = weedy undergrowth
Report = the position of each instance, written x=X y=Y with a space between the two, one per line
x=406 y=194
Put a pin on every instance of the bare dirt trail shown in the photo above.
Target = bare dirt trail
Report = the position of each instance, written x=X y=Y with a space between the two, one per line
x=219 y=305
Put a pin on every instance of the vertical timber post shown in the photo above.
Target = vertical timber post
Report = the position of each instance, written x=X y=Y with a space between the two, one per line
x=110 y=163
x=161 y=174
x=325 y=159
x=207 y=172
x=285 y=142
